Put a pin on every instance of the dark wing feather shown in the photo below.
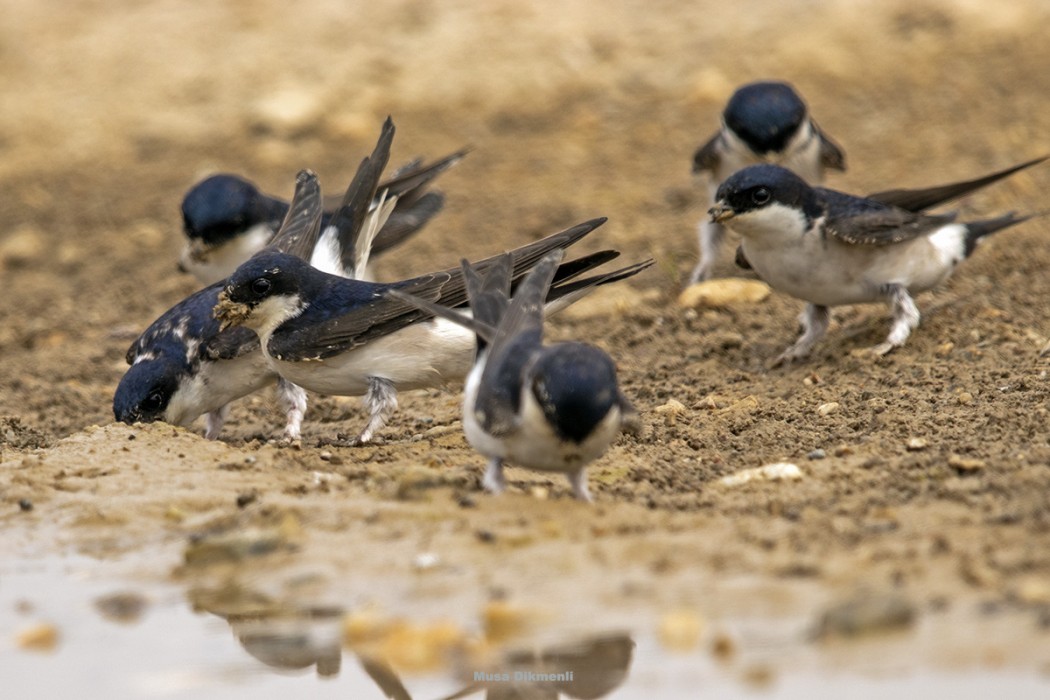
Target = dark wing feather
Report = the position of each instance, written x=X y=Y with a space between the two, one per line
x=230 y=343
x=405 y=220
x=574 y=268
x=350 y=217
x=192 y=318
x=921 y=200
x=861 y=221
x=561 y=286
x=448 y=313
x=518 y=337
x=831 y=155
x=409 y=181
x=564 y=288
x=884 y=227
x=489 y=296
x=304 y=337
x=707 y=157
x=302 y=224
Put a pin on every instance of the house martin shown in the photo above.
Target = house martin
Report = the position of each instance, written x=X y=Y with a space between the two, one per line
x=829 y=248
x=227 y=219
x=347 y=337
x=551 y=408
x=763 y=122
x=184 y=366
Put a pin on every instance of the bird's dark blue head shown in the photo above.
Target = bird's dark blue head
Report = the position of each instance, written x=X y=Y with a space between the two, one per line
x=759 y=186
x=576 y=386
x=765 y=115
x=146 y=389
x=268 y=274
x=221 y=207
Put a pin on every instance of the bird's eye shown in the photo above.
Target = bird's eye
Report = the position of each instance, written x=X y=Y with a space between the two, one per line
x=153 y=402
x=261 y=286
x=761 y=195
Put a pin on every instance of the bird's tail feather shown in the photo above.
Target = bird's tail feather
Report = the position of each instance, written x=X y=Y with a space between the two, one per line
x=404 y=222
x=976 y=230
x=562 y=295
x=373 y=223
x=409 y=180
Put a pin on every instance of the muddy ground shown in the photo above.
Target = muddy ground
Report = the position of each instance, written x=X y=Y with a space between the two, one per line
x=934 y=488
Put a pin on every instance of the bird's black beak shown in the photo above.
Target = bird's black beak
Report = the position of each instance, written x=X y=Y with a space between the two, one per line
x=721 y=212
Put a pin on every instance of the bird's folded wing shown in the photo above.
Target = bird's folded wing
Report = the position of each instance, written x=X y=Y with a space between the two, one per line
x=304 y=338
x=706 y=156
x=230 y=343
x=301 y=338
x=519 y=336
x=883 y=227
x=831 y=155
x=302 y=224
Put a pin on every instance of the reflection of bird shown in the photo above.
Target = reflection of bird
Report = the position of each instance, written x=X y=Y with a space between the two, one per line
x=227 y=219
x=830 y=248
x=290 y=639
x=183 y=366
x=551 y=408
x=346 y=337
x=595 y=667
x=764 y=122
x=292 y=643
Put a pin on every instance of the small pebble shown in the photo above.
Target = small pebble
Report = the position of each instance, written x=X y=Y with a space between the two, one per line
x=671 y=411
x=817 y=454
x=289 y=112
x=247 y=498
x=425 y=561
x=723 y=292
x=1033 y=590
x=22 y=246
x=916 y=444
x=965 y=398
x=780 y=471
x=965 y=465
x=825 y=409
x=25 y=505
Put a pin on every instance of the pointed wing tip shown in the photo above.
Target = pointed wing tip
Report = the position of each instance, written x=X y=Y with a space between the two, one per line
x=592 y=224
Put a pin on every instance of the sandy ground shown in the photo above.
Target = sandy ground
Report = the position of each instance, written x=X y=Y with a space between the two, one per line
x=933 y=494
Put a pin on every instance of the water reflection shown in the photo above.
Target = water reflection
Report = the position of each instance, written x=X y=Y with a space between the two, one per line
x=585 y=670
x=297 y=640
x=282 y=638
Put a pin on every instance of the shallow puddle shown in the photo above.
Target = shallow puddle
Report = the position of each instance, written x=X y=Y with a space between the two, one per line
x=77 y=627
